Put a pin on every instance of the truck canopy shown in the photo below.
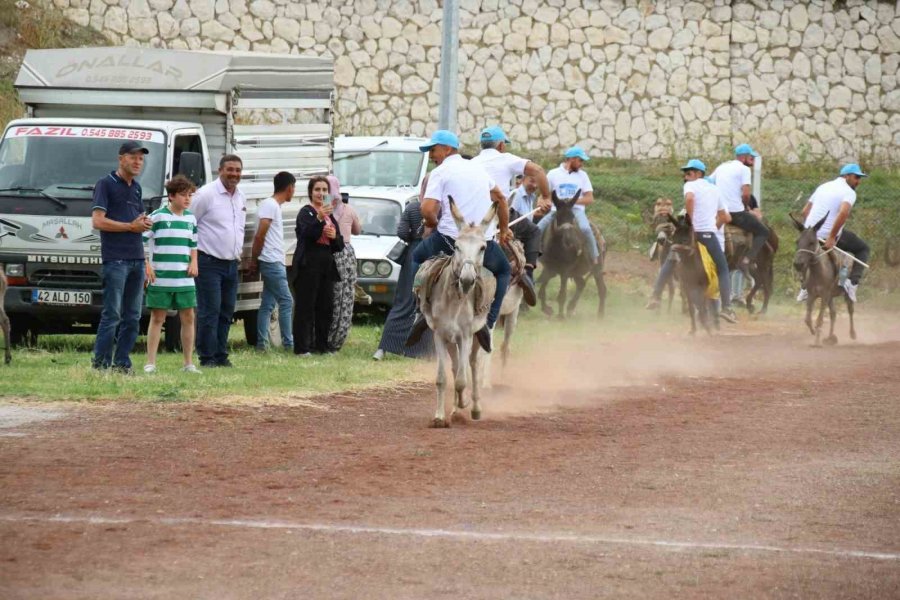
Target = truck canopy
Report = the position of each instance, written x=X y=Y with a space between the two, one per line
x=231 y=94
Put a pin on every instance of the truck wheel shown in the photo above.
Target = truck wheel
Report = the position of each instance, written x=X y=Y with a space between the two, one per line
x=172 y=329
x=250 y=327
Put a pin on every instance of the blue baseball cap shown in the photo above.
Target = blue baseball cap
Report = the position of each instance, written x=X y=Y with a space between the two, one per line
x=441 y=137
x=576 y=152
x=494 y=134
x=852 y=169
x=694 y=164
x=745 y=149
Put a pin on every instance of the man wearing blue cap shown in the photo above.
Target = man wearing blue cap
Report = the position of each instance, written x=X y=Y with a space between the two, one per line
x=503 y=168
x=472 y=191
x=733 y=178
x=835 y=199
x=565 y=180
x=707 y=210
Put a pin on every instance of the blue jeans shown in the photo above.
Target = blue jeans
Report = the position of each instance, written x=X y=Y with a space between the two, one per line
x=583 y=224
x=718 y=255
x=123 y=297
x=275 y=290
x=217 y=284
x=495 y=261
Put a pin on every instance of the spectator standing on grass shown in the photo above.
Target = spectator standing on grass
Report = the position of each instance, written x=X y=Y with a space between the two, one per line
x=221 y=212
x=171 y=269
x=403 y=311
x=118 y=213
x=267 y=255
x=314 y=271
x=344 y=290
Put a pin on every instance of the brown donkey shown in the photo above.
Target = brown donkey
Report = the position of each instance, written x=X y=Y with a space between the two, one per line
x=691 y=274
x=819 y=269
x=4 y=320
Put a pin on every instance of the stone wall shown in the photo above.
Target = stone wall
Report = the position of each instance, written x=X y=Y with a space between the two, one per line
x=633 y=79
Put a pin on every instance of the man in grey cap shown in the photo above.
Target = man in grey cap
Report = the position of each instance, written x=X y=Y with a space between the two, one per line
x=118 y=213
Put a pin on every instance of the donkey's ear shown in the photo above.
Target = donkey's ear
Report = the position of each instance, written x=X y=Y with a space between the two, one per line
x=821 y=222
x=490 y=215
x=672 y=219
x=457 y=216
x=575 y=198
x=687 y=220
x=797 y=224
x=554 y=198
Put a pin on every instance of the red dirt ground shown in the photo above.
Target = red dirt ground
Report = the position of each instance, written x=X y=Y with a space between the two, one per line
x=738 y=466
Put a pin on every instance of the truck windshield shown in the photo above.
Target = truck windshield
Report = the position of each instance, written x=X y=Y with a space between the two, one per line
x=377 y=217
x=378 y=167
x=40 y=163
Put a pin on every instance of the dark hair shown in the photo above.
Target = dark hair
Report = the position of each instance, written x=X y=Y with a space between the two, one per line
x=230 y=158
x=179 y=184
x=283 y=181
x=312 y=183
x=466 y=156
x=487 y=144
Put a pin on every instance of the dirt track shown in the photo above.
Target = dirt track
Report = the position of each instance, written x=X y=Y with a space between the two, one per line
x=653 y=475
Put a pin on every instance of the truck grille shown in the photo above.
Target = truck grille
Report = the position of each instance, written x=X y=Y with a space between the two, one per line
x=60 y=278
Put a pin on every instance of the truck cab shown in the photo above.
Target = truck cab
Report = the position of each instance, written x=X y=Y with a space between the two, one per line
x=188 y=109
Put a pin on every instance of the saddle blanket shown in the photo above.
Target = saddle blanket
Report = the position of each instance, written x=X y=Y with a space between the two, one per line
x=709 y=265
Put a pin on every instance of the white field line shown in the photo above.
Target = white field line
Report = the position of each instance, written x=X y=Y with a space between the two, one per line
x=511 y=536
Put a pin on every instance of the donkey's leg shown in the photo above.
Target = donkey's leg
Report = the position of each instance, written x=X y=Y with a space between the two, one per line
x=440 y=350
x=579 y=288
x=820 y=320
x=670 y=284
x=4 y=325
x=690 y=308
x=545 y=277
x=768 y=287
x=459 y=359
x=508 y=329
x=561 y=297
x=850 y=312
x=810 y=303
x=832 y=315
x=475 y=357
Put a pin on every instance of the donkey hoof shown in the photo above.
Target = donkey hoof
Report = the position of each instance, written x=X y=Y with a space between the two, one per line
x=476 y=415
x=547 y=311
x=852 y=337
x=457 y=418
x=439 y=424
x=831 y=340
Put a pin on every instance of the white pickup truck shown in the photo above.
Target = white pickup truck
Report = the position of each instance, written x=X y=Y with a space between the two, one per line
x=188 y=109
x=381 y=175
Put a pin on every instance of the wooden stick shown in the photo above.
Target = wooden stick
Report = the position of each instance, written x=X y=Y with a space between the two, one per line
x=525 y=216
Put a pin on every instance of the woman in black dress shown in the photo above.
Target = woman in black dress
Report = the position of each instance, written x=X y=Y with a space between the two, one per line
x=403 y=312
x=314 y=270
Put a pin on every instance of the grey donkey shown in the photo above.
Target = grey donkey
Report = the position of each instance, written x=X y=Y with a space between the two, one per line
x=455 y=305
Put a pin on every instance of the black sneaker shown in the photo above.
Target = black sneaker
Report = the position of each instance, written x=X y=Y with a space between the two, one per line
x=123 y=370
x=417 y=331
x=208 y=364
x=224 y=363
x=528 y=293
x=483 y=336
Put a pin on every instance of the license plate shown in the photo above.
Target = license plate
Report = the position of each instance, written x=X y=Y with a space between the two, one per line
x=61 y=297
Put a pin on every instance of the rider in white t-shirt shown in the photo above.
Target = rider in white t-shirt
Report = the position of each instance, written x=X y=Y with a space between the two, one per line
x=503 y=167
x=566 y=180
x=835 y=200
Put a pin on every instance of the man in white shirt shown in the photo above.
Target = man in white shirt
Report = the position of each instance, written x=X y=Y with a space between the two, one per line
x=705 y=206
x=565 y=180
x=473 y=191
x=503 y=168
x=835 y=199
x=267 y=255
x=221 y=212
x=733 y=178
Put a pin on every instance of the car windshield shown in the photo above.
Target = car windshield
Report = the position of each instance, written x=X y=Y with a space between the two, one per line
x=378 y=217
x=65 y=163
x=378 y=167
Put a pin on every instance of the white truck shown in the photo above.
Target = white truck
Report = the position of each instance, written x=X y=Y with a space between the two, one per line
x=188 y=109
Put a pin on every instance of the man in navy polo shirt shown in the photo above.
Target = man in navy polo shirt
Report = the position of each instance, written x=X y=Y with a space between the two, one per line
x=118 y=213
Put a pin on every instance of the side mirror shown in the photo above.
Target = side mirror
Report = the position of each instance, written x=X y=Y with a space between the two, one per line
x=191 y=166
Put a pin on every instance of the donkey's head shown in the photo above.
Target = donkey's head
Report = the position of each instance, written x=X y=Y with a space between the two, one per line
x=683 y=234
x=565 y=229
x=470 y=246
x=807 y=243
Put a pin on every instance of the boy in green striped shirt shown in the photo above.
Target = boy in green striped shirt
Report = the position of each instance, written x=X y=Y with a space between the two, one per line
x=171 y=269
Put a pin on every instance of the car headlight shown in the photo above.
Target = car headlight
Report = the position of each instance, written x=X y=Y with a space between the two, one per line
x=14 y=270
x=384 y=268
x=367 y=268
